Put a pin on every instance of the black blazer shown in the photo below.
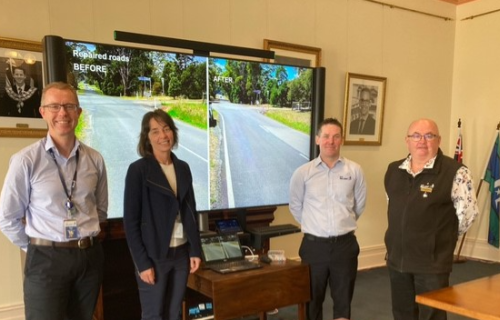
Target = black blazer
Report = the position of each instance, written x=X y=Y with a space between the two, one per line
x=368 y=128
x=150 y=209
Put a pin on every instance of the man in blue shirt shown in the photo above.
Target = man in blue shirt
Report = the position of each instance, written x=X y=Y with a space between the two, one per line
x=327 y=196
x=53 y=199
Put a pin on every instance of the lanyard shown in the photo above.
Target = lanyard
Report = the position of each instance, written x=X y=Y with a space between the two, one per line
x=70 y=207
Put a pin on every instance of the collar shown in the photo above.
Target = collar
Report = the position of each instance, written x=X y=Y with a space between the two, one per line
x=49 y=144
x=317 y=161
x=406 y=165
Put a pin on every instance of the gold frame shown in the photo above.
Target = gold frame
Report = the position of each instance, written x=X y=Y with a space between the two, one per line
x=21 y=131
x=377 y=87
x=288 y=53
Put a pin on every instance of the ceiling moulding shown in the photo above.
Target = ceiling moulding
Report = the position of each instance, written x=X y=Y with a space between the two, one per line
x=392 y=6
x=457 y=2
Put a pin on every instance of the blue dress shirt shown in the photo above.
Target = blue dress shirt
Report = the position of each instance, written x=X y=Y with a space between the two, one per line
x=327 y=202
x=33 y=190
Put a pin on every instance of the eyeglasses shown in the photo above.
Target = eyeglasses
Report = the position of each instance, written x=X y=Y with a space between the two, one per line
x=54 y=108
x=427 y=137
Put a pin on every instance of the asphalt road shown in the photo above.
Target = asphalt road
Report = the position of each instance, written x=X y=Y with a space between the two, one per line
x=113 y=129
x=221 y=251
x=259 y=156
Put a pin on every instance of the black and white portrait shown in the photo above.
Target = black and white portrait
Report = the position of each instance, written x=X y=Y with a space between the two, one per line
x=20 y=88
x=364 y=111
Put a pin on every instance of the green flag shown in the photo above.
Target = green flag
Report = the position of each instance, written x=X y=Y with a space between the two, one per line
x=492 y=176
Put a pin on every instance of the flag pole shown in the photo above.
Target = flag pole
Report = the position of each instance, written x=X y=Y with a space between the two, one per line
x=457 y=259
x=458 y=149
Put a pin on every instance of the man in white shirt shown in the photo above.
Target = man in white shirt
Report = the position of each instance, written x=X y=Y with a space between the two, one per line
x=327 y=196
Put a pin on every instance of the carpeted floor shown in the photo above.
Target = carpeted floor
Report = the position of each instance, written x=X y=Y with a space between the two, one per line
x=372 y=294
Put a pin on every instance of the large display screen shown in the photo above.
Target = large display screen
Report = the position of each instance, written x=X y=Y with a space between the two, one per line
x=244 y=126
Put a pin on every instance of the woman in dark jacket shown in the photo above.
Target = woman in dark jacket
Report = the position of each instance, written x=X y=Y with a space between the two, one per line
x=160 y=219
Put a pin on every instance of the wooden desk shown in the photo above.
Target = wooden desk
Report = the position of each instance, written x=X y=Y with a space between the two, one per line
x=119 y=298
x=477 y=299
x=256 y=291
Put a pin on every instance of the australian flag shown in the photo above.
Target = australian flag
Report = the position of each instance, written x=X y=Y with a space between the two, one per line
x=492 y=176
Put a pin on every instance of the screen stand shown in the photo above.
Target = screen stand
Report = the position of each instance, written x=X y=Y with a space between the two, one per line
x=241 y=215
x=203 y=222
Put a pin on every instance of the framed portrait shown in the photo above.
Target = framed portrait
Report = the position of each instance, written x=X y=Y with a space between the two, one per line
x=294 y=54
x=364 y=109
x=21 y=83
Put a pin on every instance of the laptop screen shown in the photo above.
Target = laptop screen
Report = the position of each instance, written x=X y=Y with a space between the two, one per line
x=228 y=226
x=221 y=247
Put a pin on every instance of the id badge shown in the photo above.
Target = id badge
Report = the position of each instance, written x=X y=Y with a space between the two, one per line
x=71 y=229
x=178 y=229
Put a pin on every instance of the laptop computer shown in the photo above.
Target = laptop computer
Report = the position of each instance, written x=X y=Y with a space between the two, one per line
x=228 y=226
x=222 y=253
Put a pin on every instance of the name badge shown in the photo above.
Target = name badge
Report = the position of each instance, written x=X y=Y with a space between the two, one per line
x=178 y=229
x=425 y=189
x=71 y=229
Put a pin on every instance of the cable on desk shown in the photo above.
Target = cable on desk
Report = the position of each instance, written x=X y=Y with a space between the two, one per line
x=253 y=255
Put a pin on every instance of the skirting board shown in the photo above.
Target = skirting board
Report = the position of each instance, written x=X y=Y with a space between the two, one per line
x=12 y=312
x=479 y=249
x=369 y=257
x=374 y=256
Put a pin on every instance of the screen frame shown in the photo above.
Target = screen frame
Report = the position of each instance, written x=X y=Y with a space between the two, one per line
x=316 y=112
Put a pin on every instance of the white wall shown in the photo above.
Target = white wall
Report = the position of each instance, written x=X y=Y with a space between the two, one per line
x=415 y=53
x=435 y=68
x=476 y=83
x=11 y=275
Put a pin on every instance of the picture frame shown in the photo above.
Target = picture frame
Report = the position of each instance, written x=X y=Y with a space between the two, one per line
x=364 y=109
x=27 y=55
x=294 y=54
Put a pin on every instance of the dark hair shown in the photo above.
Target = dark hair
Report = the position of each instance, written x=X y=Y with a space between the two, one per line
x=144 y=147
x=365 y=89
x=18 y=68
x=328 y=121
x=59 y=86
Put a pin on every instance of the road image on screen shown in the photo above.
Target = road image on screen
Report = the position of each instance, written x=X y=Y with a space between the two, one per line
x=263 y=131
x=221 y=247
x=244 y=127
x=117 y=86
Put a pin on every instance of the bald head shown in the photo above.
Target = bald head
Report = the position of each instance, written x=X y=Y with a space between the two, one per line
x=428 y=123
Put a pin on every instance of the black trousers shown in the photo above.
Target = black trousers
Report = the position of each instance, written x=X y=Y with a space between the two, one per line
x=333 y=263
x=404 y=288
x=163 y=300
x=62 y=283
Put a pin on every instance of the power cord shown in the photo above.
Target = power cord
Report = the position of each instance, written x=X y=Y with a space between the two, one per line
x=253 y=256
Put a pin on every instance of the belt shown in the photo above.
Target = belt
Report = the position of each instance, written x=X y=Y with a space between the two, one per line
x=173 y=251
x=332 y=239
x=82 y=243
